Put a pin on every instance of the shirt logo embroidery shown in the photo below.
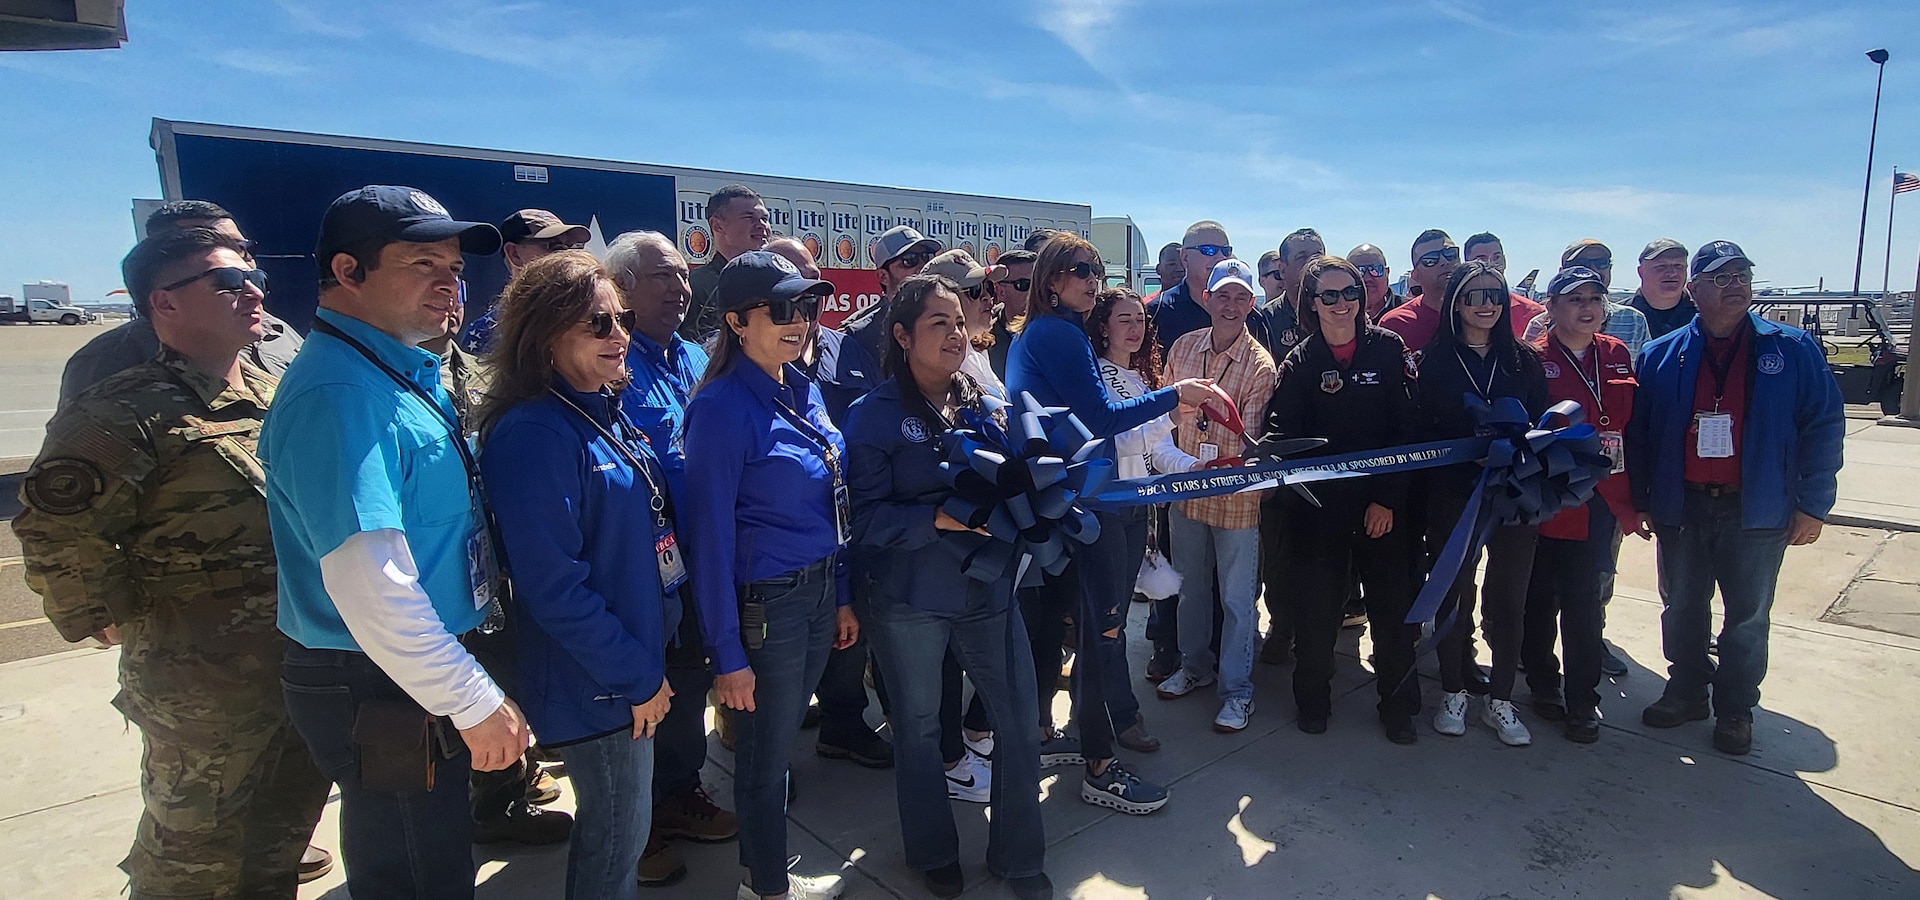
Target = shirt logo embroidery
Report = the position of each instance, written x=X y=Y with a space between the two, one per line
x=1330 y=382
x=1366 y=378
x=914 y=429
x=1550 y=368
x=1772 y=364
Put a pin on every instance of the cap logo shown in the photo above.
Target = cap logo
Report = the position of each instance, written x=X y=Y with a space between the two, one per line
x=427 y=203
x=783 y=264
x=1722 y=248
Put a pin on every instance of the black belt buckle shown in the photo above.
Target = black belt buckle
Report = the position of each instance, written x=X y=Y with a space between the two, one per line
x=1714 y=491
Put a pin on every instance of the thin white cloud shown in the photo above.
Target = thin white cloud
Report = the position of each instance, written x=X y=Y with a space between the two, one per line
x=309 y=20
x=1086 y=27
x=1468 y=15
x=535 y=36
x=259 y=63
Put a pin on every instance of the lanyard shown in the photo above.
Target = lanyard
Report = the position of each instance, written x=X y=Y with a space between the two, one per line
x=453 y=426
x=1205 y=365
x=673 y=373
x=1720 y=367
x=1593 y=384
x=1493 y=369
x=812 y=434
x=656 y=498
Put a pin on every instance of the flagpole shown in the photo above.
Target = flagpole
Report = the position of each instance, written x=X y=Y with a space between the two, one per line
x=1886 y=268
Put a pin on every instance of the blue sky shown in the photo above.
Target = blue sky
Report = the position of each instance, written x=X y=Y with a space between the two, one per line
x=1542 y=123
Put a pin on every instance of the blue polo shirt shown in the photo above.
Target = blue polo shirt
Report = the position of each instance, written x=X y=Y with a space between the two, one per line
x=347 y=450
x=655 y=400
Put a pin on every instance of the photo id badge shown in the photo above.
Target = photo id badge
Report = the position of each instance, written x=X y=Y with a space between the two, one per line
x=1208 y=453
x=480 y=567
x=1615 y=449
x=1716 y=435
x=673 y=566
x=842 y=513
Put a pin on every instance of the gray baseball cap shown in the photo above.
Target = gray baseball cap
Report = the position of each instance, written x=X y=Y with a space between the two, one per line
x=898 y=240
x=1662 y=245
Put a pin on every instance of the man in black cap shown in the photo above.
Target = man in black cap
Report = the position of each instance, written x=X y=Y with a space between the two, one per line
x=898 y=254
x=525 y=236
x=384 y=552
x=738 y=221
x=1662 y=296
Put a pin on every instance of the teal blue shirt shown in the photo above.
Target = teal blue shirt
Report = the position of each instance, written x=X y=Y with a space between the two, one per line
x=348 y=450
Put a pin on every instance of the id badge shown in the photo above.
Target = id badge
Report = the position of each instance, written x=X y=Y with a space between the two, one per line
x=1208 y=453
x=666 y=552
x=1615 y=449
x=1715 y=439
x=842 y=513
x=480 y=567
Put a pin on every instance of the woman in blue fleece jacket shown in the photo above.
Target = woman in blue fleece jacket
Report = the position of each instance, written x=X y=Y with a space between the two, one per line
x=576 y=489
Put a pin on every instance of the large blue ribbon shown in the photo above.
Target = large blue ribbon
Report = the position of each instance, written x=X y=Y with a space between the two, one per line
x=1022 y=485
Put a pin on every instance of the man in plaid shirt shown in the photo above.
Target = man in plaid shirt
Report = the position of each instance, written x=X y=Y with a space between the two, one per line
x=1220 y=534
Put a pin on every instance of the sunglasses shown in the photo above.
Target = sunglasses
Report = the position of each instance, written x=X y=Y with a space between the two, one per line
x=601 y=323
x=1353 y=294
x=1594 y=262
x=1212 y=249
x=783 y=311
x=913 y=260
x=225 y=279
x=1483 y=297
x=1019 y=284
x=1085 y=270
x=1728 y=279
x=1379 y=271
x=557 y=245
x=983 y=289
x=1429 y=260
x=1273 y=274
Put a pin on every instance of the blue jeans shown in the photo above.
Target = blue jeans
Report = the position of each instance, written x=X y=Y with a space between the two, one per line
x=1709 y=547
x=395 y=844
x=613 y=789
x=680 y=741
x=786 y=666
x=1113 y=567
x=990 y=642
x=1197 y=551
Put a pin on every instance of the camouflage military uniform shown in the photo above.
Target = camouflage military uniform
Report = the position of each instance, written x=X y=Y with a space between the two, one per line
x=145 y=510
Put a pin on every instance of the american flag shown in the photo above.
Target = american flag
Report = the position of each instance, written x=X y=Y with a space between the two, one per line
x=1905 y=181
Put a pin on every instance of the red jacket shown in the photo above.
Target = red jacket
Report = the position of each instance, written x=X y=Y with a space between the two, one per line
x=1609 y=416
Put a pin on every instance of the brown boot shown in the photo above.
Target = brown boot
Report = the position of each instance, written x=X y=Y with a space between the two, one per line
x=691 y=814
x=659 y=865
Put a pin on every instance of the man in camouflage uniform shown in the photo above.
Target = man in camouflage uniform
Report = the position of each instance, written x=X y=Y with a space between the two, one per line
x=145 y=523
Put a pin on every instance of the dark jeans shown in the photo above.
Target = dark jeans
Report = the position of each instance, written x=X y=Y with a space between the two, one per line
x=991 y=644
x=1275 y=592
x=489 y=794
x=1110 y=587
x=1564 y=603
x=952 y=721
x=1044 y=610
x=1503 y=602
x=680 y=741
x=410 y=844
x=800 y=626
x=1709 y=547
x=843 y=695
x=1326 y=548
x=613 y=784
x=1093 y=590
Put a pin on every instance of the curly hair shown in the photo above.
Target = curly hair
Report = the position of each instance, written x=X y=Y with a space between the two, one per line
x=1145 y=361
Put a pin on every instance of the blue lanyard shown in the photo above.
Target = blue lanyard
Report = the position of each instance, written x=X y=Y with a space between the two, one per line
x=678 y=375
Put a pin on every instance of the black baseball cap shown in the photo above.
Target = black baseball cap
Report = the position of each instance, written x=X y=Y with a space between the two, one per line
x=395 y=213
x=758 y=275
x=1572 y=277
x=1714 y=254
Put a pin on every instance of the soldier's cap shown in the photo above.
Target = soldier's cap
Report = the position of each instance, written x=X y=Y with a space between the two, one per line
x=960 y=266
x=395 y=213
x=1572 y=277
x=898 y=240
x=760 y=275
x=1714 y=254
x=540 y=225
x=1659 y=247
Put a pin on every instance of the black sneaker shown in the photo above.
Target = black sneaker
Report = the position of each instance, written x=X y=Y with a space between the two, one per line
x=945 y=881
x=1161 y=665
x=865 y=748
x=1550 y=709
x=1669 y=712
x=1117 y=788
x=1060 y=750
x=1312 y=724
x=1583 y=726
x=1399 y=727
x=1733 y=737
x=1610 y=664
x=524 y=823
x=1032 y=887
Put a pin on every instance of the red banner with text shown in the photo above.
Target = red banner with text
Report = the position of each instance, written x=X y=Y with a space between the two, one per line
x=853 y=291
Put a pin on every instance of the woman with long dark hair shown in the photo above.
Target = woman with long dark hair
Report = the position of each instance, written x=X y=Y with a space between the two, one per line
x=1052 y=359
x=1474 y=352
x=766 y=516
x=575 y=487
x=926 y=607
x=1352 y=383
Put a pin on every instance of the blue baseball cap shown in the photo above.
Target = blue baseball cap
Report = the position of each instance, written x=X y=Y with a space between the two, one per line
x=1572 y=277
x=1714 y=254
x=759 y=275
x=395 y=213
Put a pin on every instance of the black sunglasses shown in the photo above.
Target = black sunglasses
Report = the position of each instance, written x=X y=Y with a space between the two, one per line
x=556 y=245
x=1212 y=249
x=1019 y=284
x=225 y=279
x=1483 y=297
x=913 y=260
x=601 y=324
x=784 y=310
x=1429 y=260
x=1275 y=273
x=983 y=289
x=1085 y=270
x=1351 y=294
x=1376 y=271
x=1595 y=262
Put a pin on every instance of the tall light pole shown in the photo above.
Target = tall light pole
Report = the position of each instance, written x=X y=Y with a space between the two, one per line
x=1879 y=58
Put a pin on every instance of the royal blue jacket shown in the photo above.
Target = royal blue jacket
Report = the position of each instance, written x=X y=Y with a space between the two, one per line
x=590 y=622
x=759 y=497
x=1790 y=439
x=1053 y=360
x=656 y=396
x=897 y=488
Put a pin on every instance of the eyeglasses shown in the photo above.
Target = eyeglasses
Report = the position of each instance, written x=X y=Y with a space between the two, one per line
x=1019 y=284
x=913 y=260
x=601 y=323
x=1728 y=279
x=1212 y=249
x=556 y=245
x=1596 y=262
x=1379 y=271
x=784 y=310
x=1429 y=260
x=225 y=279
x=1350 y=294
x=1483 y=297
x=1085 y=270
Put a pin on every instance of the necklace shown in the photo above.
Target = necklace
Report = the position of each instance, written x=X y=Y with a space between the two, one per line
x=1477 y=346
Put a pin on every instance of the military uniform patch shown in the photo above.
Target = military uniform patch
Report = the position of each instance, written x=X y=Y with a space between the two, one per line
x=62 y=487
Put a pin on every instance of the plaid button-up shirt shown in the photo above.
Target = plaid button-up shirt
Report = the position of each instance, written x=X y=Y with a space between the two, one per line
x=1246 y=373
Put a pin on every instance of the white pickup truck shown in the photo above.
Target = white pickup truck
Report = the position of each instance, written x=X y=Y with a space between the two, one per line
x=31 y=311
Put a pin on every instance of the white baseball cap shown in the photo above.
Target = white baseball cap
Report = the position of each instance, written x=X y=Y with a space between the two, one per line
x=1232 y=271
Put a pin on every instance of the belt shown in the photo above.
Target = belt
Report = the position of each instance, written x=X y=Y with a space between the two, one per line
x=1714 y=490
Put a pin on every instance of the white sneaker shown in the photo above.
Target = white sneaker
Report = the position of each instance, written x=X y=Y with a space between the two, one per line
x=982 y=748
x=1233 y=715
x=971 y=780
x=1500 y=717
x=803 y=887
x=1181 y=683
x=1452 y=717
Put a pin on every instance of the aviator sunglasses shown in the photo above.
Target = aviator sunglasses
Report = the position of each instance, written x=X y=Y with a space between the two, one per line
x=1429 y=260
x=1085 y=270
x=601 y=323
x=225 y=279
